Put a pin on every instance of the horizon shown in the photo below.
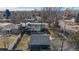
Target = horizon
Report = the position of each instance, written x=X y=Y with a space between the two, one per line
x=20 y=8
x=32 y=8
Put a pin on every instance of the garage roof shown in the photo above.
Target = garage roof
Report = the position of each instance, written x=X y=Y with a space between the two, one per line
x=39 y=39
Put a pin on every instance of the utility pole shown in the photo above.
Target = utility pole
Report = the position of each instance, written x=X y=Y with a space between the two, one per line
x=62 y=44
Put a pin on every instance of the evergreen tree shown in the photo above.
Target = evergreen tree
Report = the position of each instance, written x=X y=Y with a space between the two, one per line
x=7 y=14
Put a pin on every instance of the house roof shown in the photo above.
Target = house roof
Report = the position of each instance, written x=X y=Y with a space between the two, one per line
x=10 y=26
x=39 y=39
x=38 y=23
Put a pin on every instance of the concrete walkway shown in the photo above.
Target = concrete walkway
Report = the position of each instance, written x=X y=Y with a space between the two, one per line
x=56 y=45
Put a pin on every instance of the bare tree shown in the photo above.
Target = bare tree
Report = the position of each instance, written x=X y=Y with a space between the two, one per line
x=50 y=14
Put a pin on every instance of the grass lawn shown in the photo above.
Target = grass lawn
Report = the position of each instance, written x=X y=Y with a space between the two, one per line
x=8 y=40
x=23 y=44
x=53 y=34
x=1 y=43
x=11 y=38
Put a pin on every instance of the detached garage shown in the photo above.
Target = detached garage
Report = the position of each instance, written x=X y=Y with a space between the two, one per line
x=39 y=42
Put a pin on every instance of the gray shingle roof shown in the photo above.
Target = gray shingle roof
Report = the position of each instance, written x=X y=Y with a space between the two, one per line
x=39 y=39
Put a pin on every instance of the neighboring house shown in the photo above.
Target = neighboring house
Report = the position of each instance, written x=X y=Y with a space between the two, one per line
x=34 y=19
x=38 y=19
x=23 y=24
x=69 y=19
x=30 y=19
x=4 y=20
x=69 y=25
x=39 y=42
x=10 y=28
x=36 y=26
